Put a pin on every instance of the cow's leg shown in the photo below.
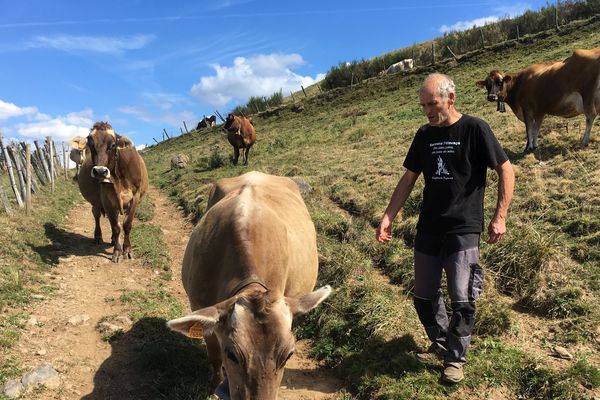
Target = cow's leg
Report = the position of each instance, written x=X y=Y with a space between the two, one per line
x=97 y=212
x=127 y=229
x=214 y=355
x=246 y=151
x=115 y=225
x=590 y=116
x=528 y=127
x=236 y=155
x=537 y=123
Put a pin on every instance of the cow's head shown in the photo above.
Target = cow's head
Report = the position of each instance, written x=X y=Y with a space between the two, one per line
x=231 y=123
x=77 y=153
x=255 y=337
x=495 y=84
x=104 y=145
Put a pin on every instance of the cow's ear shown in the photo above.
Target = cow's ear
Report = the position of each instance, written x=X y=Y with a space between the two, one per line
x=123 y=142
x=196 y=324
x=480 y=84
x=302 y=305
x=202 y=322
x=507 y=78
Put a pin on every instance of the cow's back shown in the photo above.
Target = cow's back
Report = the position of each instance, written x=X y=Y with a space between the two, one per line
x=255 y=224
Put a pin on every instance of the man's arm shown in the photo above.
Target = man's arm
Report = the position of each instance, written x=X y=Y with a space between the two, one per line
x=506 y=186
x=401 y=193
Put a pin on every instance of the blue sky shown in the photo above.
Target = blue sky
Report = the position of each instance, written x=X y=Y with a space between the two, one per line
x=148 y=65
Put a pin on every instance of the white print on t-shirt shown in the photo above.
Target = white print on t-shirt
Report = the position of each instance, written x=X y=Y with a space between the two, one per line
x=441 y=167
x=437 y=148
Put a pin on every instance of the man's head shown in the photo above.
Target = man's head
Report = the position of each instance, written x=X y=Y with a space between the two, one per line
x=436 y=97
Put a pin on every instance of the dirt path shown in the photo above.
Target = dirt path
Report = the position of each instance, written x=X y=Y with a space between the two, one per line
x=62 y=327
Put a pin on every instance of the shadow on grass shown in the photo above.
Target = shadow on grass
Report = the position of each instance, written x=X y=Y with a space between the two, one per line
x=64 y=243
x=152 y=362
x=395 y=358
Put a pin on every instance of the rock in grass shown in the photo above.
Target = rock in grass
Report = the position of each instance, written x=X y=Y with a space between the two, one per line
x=44 y=375
x=563 y=353
x=13 y=389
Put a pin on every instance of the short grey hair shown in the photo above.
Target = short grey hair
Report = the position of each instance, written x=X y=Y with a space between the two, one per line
x=445 y=85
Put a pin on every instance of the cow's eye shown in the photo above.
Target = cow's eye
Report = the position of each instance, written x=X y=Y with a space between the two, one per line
x=112 y=145
x=231 y=355
x=290 y=355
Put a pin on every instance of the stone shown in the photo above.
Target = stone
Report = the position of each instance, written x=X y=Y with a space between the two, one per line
x=44 y=375
x=563 y=353
x=78 y=319
x=13 y=389
x=180 y=161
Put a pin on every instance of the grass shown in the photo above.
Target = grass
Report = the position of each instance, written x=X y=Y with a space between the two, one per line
x=548 y=265
x=149 y=245
x=28 y=251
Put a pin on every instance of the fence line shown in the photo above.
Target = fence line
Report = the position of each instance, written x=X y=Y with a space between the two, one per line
x=19 y=159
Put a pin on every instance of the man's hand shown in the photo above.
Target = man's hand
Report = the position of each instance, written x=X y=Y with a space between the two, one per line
x=496 y=230
x=384 y=230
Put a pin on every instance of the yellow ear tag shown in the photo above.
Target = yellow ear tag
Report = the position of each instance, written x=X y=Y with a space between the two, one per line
x=195 y=331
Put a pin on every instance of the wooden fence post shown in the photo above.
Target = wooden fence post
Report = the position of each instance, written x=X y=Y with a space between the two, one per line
x=186 y=129
x=451 y=52
x=28 y=171
x=556 y=16
x=65 y=161
x=11 y=175
x=5 y=201
x=220 y=116
x=51 y=157
x=482 y=40
x=12 y=152
x=42 y=159
x=292 y=94
x=303 y=91
x=155 y=141
x=518 y=37
x=433 y=53
x=352 y=81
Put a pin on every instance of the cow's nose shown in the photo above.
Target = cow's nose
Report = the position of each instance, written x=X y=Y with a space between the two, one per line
x=101 y=173
x=492 y=97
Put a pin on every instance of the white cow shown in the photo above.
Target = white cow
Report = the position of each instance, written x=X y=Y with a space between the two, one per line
x=405 y=65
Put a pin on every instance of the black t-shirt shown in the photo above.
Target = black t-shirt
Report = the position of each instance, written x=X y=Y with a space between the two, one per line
x=453 y=160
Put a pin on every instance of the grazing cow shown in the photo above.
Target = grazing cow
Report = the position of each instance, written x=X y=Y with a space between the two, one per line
x=564 y=89
x=404 y=65
x=77 y=153
x=207 y=122
x=114 y=180
x=241 y=135
x=249 y=268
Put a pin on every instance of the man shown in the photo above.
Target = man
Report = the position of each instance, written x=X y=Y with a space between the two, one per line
x=453 y=151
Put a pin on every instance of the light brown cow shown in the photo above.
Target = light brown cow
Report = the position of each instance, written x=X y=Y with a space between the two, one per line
x=241 y=135
x=77 y=153
x=565 y=88
x=248 y=270
x=114 y=180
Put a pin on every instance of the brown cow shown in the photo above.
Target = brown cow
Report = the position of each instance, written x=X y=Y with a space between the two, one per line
x=114 y=180
x=248 y=270
x=77 y=153
x=564 y=89
x=241 y=135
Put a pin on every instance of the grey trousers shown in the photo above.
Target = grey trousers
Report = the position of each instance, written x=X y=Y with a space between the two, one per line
x=465 y=283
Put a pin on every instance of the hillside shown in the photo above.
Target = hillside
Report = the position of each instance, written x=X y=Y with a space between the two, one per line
x=541 y=287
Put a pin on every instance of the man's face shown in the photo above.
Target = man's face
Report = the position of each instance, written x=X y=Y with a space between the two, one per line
x=435 y=108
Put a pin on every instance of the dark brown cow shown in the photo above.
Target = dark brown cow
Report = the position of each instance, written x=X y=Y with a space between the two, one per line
x=241 y=135
x=249 y=268
x=114 y=180
x=565 y=89
x=207 y=122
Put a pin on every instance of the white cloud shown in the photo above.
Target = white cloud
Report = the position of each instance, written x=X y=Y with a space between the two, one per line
x=10 y=110
x=61 y=128
x=506 y=10
x=94 y=44
x=174 y=119
x=261 y=75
